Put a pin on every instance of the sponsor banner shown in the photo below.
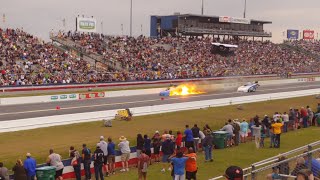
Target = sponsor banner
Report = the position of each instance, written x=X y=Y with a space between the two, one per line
x=308 y=34
x=311 y=79
x=292 y=34
x=91 y=95
x=86 y=24
x=227 y=19
x=63 y=97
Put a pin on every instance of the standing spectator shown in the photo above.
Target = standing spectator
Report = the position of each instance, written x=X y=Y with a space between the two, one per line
x=19 y=171
x=284 y=166
x=179 y=140
x=266 y=122
x=179 y=164
x=140 y=142
x=4 y=172
x=292 y=117
x=124 y=147
x=272 y=135
x=229 y=129
x=104 y=147
x=156 y=143
x=111 y=155
x=191 y=165
x=75 y=162
x=167 y=149
x=147 y=146
x=55 y=161
x=207 y=145
x=236 y=131
x=98 y=159
x=188 y=137
x=244 y=126
x=310 y=115
x=86 y=157
x=195 y=133
x=318 y=108
x=143 y=161
x=300 y=165
x=285 y=118
x=257 y=134
x=277 y=132
x=263 y=135
x=30 y=165
x=304 y=116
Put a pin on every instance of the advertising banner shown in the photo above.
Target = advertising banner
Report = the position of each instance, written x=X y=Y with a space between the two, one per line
x=91 y=95
x=63 y=97
x=228 y=19
x=86 y=24
x=292 y=34
x=308 y=34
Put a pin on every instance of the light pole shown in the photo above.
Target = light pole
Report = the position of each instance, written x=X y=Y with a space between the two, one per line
x=101 y=27
x=201 y=7
x=245 y=8
x=130 y=17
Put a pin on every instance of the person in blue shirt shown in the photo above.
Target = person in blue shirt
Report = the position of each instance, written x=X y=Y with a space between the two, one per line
x=179 y=165
x=188 y=137
x=244 y=126
x=30 y=166
x=147 y=146
x=315 y=166
x=111 y=155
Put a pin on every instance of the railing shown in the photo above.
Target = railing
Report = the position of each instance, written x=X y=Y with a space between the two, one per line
x=226 y=32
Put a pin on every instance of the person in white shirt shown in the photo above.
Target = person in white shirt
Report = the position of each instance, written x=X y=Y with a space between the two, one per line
x=104 y=147
x=55 y=161
x=285 y=118
x=125 y=153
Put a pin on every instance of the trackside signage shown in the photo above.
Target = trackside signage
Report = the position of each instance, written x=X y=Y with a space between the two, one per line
x=86 y=24
x=63 y=97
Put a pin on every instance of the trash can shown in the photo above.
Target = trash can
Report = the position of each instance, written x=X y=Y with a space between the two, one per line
x=46 y=173
x=219 y=139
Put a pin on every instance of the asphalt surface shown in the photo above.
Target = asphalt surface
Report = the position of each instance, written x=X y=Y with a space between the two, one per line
x=13 y=112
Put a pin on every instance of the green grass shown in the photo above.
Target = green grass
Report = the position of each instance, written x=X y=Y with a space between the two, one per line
x=38 y=141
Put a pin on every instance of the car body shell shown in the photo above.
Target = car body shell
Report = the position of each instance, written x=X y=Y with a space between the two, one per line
x=249 y=87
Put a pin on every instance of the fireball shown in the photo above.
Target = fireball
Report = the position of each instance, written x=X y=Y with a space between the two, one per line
x=185 y=89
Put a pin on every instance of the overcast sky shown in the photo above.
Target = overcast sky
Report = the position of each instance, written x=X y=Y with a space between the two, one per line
x=40 y=16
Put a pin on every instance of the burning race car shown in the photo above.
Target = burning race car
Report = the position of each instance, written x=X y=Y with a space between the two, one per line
x=181 y=90
x=249 y=87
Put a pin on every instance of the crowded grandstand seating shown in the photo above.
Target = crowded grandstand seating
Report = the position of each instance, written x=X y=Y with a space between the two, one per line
x=311 y=46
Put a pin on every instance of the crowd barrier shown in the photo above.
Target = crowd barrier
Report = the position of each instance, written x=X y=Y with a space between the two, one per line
x=32 y=123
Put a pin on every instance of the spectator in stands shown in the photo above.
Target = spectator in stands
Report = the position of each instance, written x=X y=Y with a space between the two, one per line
x=275 y=174
x=188 y=137
x=191 y=165
x=156 y=143
x=86 y=157
x=111 y=156
x=98 y=159
x=310 y=115
x=124 y=147
x=19 y=171
x=104 y=147
x=304 y=116
x=167 y=149
x=257 y=134
x=179 y=140
x=315 y=165
x=284 y=166
x=305 y=174
x=75 y=162
x=285 y=118
x=234 y=173
x=30 y=165
x=195 y=133
x=300 y=165
x=179 y=164
x=207 y=144
x=55 y=160
x=4 y=172
x=244 y=127
x=277 y=132
x=229 y=129
x=140 y=142
x=143 y=163
x=147 y=146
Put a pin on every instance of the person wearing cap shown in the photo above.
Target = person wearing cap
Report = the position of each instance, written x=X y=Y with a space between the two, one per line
x=104 y=147
x=30 y=165
x=86 y=157
x=167 y=149
x=124 y=147
x=156 y=144
x=98 y=159
x=234 y=173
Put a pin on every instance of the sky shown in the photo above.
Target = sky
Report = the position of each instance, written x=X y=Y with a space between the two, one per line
x=39 y=17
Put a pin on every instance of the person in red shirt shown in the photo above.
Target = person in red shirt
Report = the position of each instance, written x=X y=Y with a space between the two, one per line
x=179 y=140
x=304 y=116
x=191 y=165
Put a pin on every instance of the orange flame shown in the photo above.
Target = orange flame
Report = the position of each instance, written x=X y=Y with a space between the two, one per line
x=183 y=90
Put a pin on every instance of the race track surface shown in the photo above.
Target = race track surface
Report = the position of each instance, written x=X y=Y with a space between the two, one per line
x=13 y=112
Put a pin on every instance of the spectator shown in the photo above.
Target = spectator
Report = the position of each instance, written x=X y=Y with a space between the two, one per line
x=315 y=166
x=111 y=156
x=305 y=174
x=147 y=146
x=179 y=164
x=229 y=129
x=274 y=175
x=266 y=122
x=284 y=166
x=55 y=161
x=188 y=137
x=140 y=142
x=285 y=118
x=179 y=140
x=98 y=158
x=196 y=137
x=4 y=172
x=244 y=131
x=206 y=127
x=191 y=165
x=304 y=116
x=143 y=161
x=30 y=165
x=156 y=143
x=257 y=134
x=104 y=147
x=208 y=145
x=86 y=157
x=318 y=108
x=75 y=162
x=292 y=117
x=272 y=135
x=124 y=147
x=277 y=132
x=19 y=171
x=300 y=165
x=263 y=135
x=236 y=131
x=167 y=149
x=234 y=173
x=310 y=115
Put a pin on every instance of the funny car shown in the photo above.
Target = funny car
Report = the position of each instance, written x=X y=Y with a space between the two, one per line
x=249 y=87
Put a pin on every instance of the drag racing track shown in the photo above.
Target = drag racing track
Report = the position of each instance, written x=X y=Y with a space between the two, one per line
x=13 y=112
